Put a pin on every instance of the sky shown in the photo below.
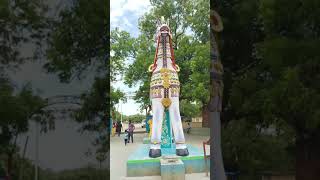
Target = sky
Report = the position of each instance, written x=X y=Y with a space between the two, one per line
x=124 y=15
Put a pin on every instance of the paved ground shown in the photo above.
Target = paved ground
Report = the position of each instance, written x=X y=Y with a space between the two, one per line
x=119 y=154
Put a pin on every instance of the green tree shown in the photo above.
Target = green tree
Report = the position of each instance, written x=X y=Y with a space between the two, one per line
x=189 y=110
x=269 y=51
x=191 y=51
x=21 y=22
x=291 y=59
x=136 y=118
x=78 y=46
x=79 y=41
x=16 y=110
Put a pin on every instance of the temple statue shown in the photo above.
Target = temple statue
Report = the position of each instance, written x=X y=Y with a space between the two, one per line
x=164 y=92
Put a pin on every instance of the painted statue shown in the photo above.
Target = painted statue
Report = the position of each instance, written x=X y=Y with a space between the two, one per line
x=164 y=92
x=216 y=77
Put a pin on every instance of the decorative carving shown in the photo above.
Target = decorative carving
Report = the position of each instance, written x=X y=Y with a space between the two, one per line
x=216 y=74
x=216 y=22
x=166 y=102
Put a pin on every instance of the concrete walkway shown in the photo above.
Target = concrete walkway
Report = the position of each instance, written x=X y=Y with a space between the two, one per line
x=119 y=154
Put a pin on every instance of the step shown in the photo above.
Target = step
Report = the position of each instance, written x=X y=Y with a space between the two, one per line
x=140 y=164
x=193 y=176
x=172 y=169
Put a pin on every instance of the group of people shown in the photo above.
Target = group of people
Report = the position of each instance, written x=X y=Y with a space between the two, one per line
x=128 y=133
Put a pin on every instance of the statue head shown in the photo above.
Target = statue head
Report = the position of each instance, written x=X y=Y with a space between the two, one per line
x=162 y=28
x=215 y=21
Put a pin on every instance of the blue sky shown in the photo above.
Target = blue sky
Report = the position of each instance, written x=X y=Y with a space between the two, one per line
x=124 y=15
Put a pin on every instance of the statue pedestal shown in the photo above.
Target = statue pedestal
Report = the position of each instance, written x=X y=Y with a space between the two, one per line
x=140 y=164
x=172 y=169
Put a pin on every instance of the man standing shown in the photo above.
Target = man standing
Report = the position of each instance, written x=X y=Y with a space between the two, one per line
x=188 y=128
x=131 y=129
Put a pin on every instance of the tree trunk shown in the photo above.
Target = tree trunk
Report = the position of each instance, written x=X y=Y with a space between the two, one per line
x=217 y=170
x=216 y=94
x=9 y=165
x=10 y=157
x=308 y=159
x=205 y=117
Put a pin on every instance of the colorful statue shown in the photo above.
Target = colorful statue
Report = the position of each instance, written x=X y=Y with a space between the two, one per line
x=164 y=92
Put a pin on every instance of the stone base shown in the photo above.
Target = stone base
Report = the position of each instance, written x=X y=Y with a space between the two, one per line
x=172 y=169
x=140 y=164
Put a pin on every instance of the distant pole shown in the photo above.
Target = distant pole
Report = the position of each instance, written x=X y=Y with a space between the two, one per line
x=121 y=112
x=36 y=152
x=22 y=161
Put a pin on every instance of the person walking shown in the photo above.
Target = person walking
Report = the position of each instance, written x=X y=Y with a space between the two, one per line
x=188 y=128
x=131 y=129
x=119 y=128
x=126 y=136
x=113 y=132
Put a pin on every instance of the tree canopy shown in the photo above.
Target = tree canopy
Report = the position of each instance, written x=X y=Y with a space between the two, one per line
x=16 y=110
x=78 y=47
x=20 y=22
x=269 y=53
x=189 y=23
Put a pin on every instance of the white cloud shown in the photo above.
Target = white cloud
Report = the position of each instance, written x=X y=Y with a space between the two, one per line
x=124 y=15
x=130 y=107
x=137 y=6
x=127 y=23
x=120 y=7
x=116 y=9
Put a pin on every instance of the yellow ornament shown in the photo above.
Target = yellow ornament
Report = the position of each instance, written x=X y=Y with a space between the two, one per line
x=166 y=102
x=150 y=68
x=166 y=84
x=177 y=68
x=165 y=76
x=150 y=125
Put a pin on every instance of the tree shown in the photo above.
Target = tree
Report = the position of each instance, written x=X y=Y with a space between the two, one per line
x=78 y=41
x=270 y=60
x=216 y=94
x=291 y=58
x=21 y=22
x=16 y=110
x=78 y=46
x=191 y=51
x=189 y=110
x=136 y=118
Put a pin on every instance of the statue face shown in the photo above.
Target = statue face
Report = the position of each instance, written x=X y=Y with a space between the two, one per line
x=162 y=28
